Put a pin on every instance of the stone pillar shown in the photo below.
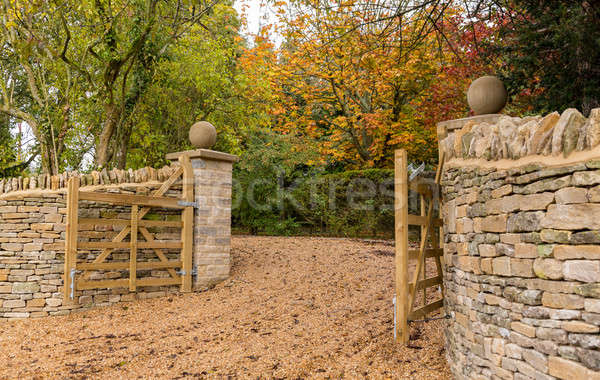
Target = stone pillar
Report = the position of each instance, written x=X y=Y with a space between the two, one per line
x=212 y=216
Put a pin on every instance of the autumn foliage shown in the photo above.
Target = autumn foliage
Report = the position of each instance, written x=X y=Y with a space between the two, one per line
x=358 y=84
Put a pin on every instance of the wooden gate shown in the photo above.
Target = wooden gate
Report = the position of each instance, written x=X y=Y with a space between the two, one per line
x=140 y=206
x=429 y=247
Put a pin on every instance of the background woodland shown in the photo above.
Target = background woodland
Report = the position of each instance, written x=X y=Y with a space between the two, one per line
x=87 y=84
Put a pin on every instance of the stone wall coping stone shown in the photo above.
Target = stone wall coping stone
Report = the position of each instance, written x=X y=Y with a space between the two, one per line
x=46 y=193
x=204 y=153
x=546 y=162
x=451 y=125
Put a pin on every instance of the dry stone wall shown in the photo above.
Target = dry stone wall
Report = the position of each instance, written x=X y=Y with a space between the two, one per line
x=522 y=256
x=32 y=235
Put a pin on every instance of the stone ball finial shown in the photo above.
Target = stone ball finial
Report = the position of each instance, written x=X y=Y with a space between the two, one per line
x=487 y=95
x=203 y=135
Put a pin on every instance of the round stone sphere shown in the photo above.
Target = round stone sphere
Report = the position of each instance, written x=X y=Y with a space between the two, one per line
x=203 y=135
x=487 y=95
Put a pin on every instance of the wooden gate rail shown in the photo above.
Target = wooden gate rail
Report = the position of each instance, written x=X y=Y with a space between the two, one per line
x=406 y=290
x=140 y=206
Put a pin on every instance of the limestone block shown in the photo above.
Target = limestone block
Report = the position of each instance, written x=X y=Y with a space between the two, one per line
x=549 y=184
x=592 y=128
x=548 y=268
x=555 y=236
x=487 y=250
x=503 y=205
x=570 y=252
x=501 y=266
x=582 y=270
x=523 y=329
x=588 y=290
x=538 y=201
x=486 y=266
x=572 y=217
x=571 y=120
x=525 y=221
x=25 y=287
x=510 y=238
x=521 y=267
x=537 y=360
x=593 y=194
x=592 y=305
x=580 y=327
x=458 y=138
x=570 y=195
x=12 y=304
x=526 y=251
x=494 y=223
x=586 y=178
x=513 y=351
x=501 y=191
x=562 y=301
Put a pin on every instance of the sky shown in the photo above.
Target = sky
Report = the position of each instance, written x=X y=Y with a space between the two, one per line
x=258 y=13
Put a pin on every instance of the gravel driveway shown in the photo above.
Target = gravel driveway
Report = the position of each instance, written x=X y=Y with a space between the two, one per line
x=296 y=307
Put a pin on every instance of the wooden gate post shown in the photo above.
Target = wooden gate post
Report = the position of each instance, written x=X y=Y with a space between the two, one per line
x=401 y=236
x=187 y=232
x=71 y=239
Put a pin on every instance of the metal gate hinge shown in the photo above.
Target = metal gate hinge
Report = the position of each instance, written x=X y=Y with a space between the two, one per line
x=183 y=273
x=187 y=204
x=72 y=274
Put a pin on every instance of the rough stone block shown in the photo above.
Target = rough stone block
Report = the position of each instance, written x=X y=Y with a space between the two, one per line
x=523 y=329
x=25 y=287
x=525 y=221
x=487 y=250
x=513 y=351
x=538 y=201
x=571 y=195
x=570 y=252
x=582 y=270
x=580 y=327
x=550 y=184
x=548 y=268
x=593 y=194
x=562 y=301
x=494 y=223
x=555 y=236
x=521 y=267
x=586 y=178
x=501 y=266
x=592 y=305
x=526 y=251
x=510 y=238
x=537 y=360
x=566 y=369
x=503 y=205
x=572 y=217
x=12 y=304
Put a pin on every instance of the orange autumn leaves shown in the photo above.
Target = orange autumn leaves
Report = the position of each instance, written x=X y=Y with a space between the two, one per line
x=357 y=84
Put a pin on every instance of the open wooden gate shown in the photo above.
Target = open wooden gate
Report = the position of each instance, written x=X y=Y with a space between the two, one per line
x=140 y=206
x=429 y=247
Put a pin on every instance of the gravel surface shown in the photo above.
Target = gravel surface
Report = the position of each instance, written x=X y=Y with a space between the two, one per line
x=293 y=308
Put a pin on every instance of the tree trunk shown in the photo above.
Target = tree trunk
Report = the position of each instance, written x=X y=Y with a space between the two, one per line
x=123 y=145
x=103 y=151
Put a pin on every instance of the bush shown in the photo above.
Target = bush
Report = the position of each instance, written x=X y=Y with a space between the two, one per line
x=352 y=203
